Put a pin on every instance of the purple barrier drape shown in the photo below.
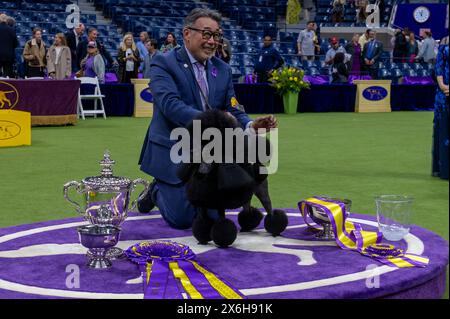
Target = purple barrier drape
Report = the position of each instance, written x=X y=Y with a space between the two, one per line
x=317 y=79
x=50 y=102
x=352 y=78
x=418 y=80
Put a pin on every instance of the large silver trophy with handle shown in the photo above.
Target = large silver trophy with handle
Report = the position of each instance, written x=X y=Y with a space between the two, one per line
x=105 y=198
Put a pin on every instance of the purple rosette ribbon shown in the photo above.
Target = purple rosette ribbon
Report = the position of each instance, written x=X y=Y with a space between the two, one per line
x=170 y=271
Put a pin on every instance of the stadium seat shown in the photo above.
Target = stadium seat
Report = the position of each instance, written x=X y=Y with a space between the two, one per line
x=410 y=72
x=384 y=74
x=396 y=73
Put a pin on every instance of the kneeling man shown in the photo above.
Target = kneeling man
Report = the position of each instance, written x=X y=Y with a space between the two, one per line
x=184 y=83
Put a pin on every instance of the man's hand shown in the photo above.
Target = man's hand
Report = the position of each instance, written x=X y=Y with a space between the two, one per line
x=444 y=89
x=264 y=122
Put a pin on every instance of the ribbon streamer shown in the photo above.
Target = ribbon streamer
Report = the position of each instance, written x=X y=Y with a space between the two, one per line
x=170 y=272
x=351 y=236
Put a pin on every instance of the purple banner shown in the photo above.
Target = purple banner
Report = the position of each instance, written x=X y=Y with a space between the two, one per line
x=317 y=79
x=352 y=78
x=44 y=98
x=418 y=80
x=111 y=77
x=250 y=79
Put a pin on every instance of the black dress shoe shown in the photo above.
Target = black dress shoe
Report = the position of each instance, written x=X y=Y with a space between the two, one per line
x=145 y=205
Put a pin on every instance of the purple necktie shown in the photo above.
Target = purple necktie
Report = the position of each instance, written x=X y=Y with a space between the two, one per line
x=201 y=79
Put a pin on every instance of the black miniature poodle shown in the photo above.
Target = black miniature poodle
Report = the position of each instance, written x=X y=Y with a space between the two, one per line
x=225 y=185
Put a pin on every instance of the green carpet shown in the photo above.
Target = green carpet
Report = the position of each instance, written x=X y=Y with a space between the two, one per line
x=349 y=155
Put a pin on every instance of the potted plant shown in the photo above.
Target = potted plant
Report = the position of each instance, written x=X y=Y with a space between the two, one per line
x=288 y=82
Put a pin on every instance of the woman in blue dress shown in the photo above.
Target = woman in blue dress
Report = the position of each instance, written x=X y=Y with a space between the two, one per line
x=440 y=123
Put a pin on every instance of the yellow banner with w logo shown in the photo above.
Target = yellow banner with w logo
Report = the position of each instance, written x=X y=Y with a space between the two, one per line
x=293 y=12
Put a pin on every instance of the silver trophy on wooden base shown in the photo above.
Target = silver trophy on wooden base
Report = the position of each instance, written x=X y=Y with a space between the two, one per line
x=106 y=199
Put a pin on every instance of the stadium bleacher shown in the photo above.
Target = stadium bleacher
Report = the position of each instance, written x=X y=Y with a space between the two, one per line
x=245 y=24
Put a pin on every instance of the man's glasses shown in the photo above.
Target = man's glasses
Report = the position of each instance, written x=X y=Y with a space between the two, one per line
x=206 y=34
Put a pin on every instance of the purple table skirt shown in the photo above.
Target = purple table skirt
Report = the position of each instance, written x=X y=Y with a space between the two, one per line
x=49 y=101
x=34 y=260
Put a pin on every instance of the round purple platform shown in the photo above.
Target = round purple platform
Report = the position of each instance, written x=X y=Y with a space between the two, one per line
x=41 y=261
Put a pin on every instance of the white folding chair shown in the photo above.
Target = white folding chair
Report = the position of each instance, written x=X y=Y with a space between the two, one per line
x=93 y=97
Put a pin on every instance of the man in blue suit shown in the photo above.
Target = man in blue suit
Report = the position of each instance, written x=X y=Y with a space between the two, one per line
x=184 y=83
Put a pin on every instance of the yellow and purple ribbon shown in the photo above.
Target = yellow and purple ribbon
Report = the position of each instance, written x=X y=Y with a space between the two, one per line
x=351 y=236
x=170 y=271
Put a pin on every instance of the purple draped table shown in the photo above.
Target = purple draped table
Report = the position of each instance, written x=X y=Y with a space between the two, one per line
x=39 y=261
x=50 y=102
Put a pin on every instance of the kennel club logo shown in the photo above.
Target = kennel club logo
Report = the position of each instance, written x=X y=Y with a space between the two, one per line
x=9 y=130
x=34 y=260
x=9 y=96
x=146 y=95
x=375 y=93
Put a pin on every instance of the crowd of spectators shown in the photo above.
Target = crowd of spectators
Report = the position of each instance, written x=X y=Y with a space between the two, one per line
x=80 y=53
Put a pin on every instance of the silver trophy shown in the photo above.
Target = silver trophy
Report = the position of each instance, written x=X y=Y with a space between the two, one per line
x=105 y=198
x=321 y=219
x=98 y=239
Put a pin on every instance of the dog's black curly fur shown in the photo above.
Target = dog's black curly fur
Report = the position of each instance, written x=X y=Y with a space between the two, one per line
x=226 y=186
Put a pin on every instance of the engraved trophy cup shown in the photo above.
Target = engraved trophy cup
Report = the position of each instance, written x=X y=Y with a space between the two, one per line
x=105 y=199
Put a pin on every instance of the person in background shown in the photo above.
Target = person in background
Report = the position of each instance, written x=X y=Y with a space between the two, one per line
x=59 y=60
x=392 y=42
x=129 y=59
x=363 y=39
x=82 y=48
x=269 y=60
x=170 y=43
x=400 y=46
x=318 y=51
x=354 y=49
x=337 y=13
x=307 y=7
x=73 y=38
x=361 y=14
x=93 y=64
x=306 y=42
x=152 y=49
x=413 y=48
x=143 y=52
x=371 y=55
x=9 y=43
x=34 y=55
x=223 y=50
x=335 y=47
x=177 y=80
x=339 y=71
x=10 y=21
x=440 y=121
x=426 y=51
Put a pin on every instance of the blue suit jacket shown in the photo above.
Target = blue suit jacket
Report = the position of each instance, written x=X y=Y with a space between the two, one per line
x=177 y=102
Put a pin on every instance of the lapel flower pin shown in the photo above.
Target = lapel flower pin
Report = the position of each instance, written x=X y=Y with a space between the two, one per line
x=214 y=72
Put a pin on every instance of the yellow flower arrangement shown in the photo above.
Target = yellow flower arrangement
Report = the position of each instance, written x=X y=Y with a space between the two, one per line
x=288 y=79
